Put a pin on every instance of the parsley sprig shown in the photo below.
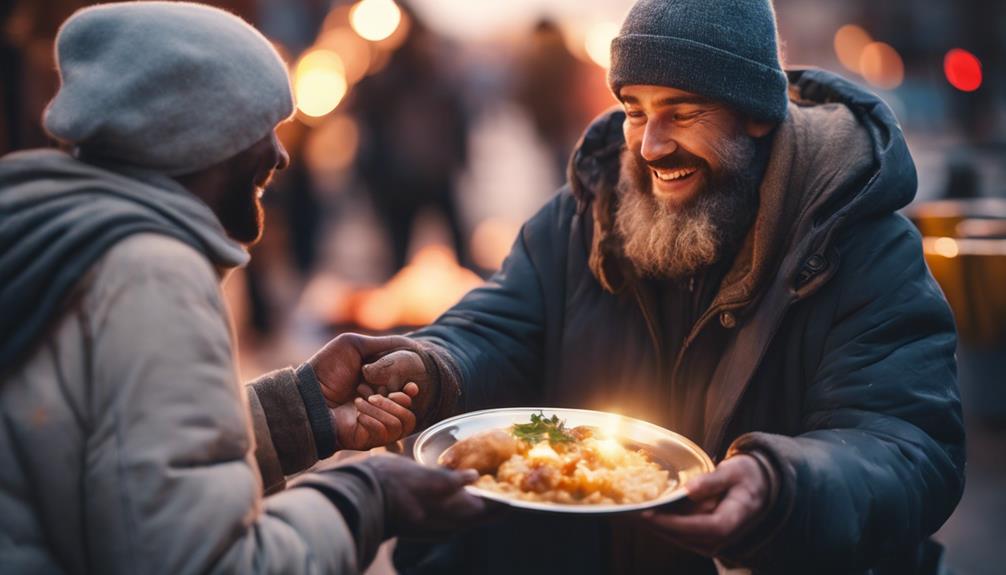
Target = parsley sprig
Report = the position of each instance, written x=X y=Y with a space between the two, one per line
x=541 y=427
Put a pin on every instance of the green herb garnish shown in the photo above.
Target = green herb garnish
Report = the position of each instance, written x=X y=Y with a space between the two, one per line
x=542 y=427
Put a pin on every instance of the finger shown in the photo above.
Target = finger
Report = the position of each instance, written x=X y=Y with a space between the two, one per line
x=393 y=405
x=364 y=390
x=378 y=434
x=369 y=346
x=394 y=370
x=710 y=485
x=411 y=389
x=400 y=399
x=719 y=525
x=391 y=424
x=383 y=390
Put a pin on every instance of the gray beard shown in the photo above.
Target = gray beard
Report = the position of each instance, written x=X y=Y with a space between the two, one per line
x=662 y=240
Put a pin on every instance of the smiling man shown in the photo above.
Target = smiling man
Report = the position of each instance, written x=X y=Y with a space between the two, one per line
x=727 y=261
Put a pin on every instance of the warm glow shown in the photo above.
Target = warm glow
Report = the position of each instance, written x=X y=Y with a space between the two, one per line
x=598 y=42
x=609 y=449
x=612 y=427
x=319 y=82
x=946 y=247
x=850 y=40
x=881 y=65
x=431 y=283
x=331 y=147
x=491 y=242
x=375 y=20
x=963 y=70
x=353 y=50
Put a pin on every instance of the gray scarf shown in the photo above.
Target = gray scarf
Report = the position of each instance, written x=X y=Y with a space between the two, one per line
x=59 y=215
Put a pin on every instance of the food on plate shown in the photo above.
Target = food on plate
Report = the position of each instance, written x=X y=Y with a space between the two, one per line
x=542 y=460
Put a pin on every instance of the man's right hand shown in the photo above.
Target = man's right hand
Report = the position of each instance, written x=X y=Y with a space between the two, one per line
x=424 y=501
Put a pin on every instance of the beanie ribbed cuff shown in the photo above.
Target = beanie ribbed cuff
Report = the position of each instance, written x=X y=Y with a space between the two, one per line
x=754 y=89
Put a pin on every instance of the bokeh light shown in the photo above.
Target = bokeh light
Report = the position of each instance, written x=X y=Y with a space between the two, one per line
x=963 y=70
x=881 y=66
x=491 y=242
x=319 y=82
x=850 y=40
x=375 y=20
x=354 y=51
x=946 y=247
x=597 y=42
x=331 y=147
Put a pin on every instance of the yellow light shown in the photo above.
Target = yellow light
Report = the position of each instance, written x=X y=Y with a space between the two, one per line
x=491 y=242
x=543 y=451
x=612 y=427
x=882 y=66
x=609 y=450
x=850 y=40
x=946 y=247
x=354 y=51
x=597 y=42
x=319 y=82
x=375 y=20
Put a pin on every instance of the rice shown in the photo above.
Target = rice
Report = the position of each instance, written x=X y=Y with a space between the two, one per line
x=589 y=471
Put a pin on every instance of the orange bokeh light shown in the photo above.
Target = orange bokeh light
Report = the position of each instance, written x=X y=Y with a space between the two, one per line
x=881 y=65
x=850 y=40
x=963 y=70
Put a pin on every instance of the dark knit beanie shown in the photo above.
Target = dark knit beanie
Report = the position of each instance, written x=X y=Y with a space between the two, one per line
x=723 y=49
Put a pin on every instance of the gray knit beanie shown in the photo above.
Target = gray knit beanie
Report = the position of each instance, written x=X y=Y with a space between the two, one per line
x=722 y=49
x=168 y=86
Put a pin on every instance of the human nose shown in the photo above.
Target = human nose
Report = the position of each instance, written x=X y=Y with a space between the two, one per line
x=282 y=156
x=658 y=142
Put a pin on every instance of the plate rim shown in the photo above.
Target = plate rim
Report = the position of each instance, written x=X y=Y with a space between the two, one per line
x=585 y=509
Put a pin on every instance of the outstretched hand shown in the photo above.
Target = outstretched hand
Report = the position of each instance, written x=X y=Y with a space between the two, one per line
x=723 y=505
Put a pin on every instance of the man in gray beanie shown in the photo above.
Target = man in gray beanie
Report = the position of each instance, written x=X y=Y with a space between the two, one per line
x=128 y=445
x=726 y=261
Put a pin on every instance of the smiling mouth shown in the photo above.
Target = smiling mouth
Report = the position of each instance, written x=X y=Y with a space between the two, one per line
x=673 y=175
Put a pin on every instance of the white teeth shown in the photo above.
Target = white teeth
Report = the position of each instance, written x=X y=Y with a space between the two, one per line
x=674 y=174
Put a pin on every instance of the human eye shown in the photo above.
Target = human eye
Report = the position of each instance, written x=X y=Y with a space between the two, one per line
x=687 y=116
x=635 y=115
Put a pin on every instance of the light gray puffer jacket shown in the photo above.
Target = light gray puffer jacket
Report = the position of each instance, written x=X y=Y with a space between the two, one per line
x=127 y=444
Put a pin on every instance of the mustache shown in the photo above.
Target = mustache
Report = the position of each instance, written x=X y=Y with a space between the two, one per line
x=679 y=159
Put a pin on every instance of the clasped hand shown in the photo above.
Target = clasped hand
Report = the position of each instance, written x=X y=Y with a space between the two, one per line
x=372 y=404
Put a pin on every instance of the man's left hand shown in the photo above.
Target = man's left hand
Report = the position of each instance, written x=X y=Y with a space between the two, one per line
x=723 y=505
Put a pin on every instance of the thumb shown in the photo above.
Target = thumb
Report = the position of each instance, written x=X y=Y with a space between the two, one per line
x=709 y=485
x=394 y=370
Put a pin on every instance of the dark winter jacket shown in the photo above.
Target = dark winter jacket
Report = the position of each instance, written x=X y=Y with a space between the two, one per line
x=828 y=350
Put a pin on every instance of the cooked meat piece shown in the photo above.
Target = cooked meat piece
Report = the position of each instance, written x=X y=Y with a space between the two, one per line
x=581 y=432
x=540 y=479
x=483 y=452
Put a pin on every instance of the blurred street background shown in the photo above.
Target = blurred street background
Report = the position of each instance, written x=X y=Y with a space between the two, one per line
x=428 y=131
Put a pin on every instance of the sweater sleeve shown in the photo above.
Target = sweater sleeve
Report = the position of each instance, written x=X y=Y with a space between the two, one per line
x=172 y=483
x=880 y=463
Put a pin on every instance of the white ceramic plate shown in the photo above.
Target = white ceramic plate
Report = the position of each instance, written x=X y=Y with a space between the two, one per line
x=675 y=453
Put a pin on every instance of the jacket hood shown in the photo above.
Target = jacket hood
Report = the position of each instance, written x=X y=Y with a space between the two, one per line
x=838 y=157
x=58 y=215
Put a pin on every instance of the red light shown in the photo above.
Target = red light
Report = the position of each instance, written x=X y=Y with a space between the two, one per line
x=963 y=70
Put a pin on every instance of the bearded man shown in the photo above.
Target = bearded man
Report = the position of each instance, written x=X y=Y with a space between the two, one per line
x=127 y=444
x=726 y=261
